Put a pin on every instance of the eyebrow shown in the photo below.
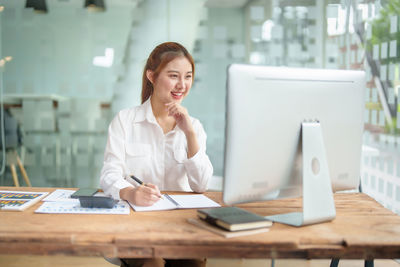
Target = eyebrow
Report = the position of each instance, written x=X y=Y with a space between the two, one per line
x=175 y=71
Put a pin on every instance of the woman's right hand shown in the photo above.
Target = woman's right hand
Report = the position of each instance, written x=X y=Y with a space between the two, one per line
x=144 y=195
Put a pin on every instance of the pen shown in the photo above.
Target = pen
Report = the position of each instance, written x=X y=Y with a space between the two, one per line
x=140 y=182
x=137 y=180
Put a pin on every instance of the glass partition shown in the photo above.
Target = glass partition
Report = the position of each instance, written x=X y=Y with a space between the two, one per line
x=68 y=69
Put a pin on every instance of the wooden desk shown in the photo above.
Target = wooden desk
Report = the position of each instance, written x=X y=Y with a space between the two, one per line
x=363 y=229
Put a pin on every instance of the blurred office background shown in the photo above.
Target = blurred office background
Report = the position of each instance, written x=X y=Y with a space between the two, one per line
x=67 y=67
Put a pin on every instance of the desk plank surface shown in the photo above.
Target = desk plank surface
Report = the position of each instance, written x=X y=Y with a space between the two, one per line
x=362 y=229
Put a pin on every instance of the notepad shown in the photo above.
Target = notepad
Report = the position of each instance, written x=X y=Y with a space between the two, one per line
x=171 y=202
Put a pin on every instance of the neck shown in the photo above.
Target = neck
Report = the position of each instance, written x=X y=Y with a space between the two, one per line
x=167 y=123
x=159 y=109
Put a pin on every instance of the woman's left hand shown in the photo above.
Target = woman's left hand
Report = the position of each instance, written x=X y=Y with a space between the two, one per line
x=181 y=116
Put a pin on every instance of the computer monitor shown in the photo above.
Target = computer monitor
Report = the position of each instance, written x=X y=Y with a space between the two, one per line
x=265 y=109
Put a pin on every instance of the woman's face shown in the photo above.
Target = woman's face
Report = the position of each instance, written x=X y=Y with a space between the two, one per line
x=174 y=81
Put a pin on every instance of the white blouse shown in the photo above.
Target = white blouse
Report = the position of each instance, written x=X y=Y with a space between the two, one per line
x=137 y=145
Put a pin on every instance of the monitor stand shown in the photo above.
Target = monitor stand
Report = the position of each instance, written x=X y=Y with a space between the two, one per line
x=318 y=203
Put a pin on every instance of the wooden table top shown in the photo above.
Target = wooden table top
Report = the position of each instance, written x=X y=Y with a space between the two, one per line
x=363 y=229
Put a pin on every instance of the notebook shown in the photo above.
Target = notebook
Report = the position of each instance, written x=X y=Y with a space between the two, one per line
x=233 y=218
x=171 y=202
x=225 y=233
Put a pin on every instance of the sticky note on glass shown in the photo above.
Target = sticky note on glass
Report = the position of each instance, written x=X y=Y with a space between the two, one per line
x=367 y=94
x=257 y=12
x=383 y=72
x=391 y=72
x=255 y=32
x=202 y=32
x=375 y=52
x=374 y=117
x=220 y=50
x=384 y=50
x=353 y=56
x=393 y=24
x=220 y=33
x=369 y=31
x=393 y=48
x=238 y=51
x=374 y=95
x=381 y=118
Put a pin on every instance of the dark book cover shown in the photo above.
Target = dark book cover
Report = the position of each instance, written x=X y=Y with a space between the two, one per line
x=233 y=219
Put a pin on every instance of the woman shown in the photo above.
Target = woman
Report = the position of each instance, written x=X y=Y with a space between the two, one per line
x=158 y=141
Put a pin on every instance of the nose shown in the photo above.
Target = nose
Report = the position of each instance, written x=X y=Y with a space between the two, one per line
x=181 y=83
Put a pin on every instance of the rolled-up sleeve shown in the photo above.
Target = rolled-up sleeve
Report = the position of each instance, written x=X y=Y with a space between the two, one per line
x=114 y=169
x=199 y=168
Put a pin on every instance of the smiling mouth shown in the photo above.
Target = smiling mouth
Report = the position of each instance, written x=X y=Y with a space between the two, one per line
x=177 y=94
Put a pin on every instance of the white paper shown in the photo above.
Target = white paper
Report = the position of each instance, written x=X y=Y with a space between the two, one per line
x=73 y=207
x=162 y=204
x=193 y=201
x=60 y=195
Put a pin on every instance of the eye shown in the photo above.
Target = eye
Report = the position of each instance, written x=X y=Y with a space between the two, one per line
x=188 y=76
x=173 y=76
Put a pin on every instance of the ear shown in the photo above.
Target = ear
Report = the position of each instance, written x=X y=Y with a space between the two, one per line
x=149 y=75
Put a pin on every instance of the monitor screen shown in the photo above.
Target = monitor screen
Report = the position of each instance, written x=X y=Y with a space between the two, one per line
x=265 y=108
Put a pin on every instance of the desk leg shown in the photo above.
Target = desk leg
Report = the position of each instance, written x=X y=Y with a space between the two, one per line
x=367 y=263
x=21 y=167
x=334 y=263
x=14 y=175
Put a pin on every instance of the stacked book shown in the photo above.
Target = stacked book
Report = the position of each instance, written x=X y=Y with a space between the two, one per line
x=231 y=221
